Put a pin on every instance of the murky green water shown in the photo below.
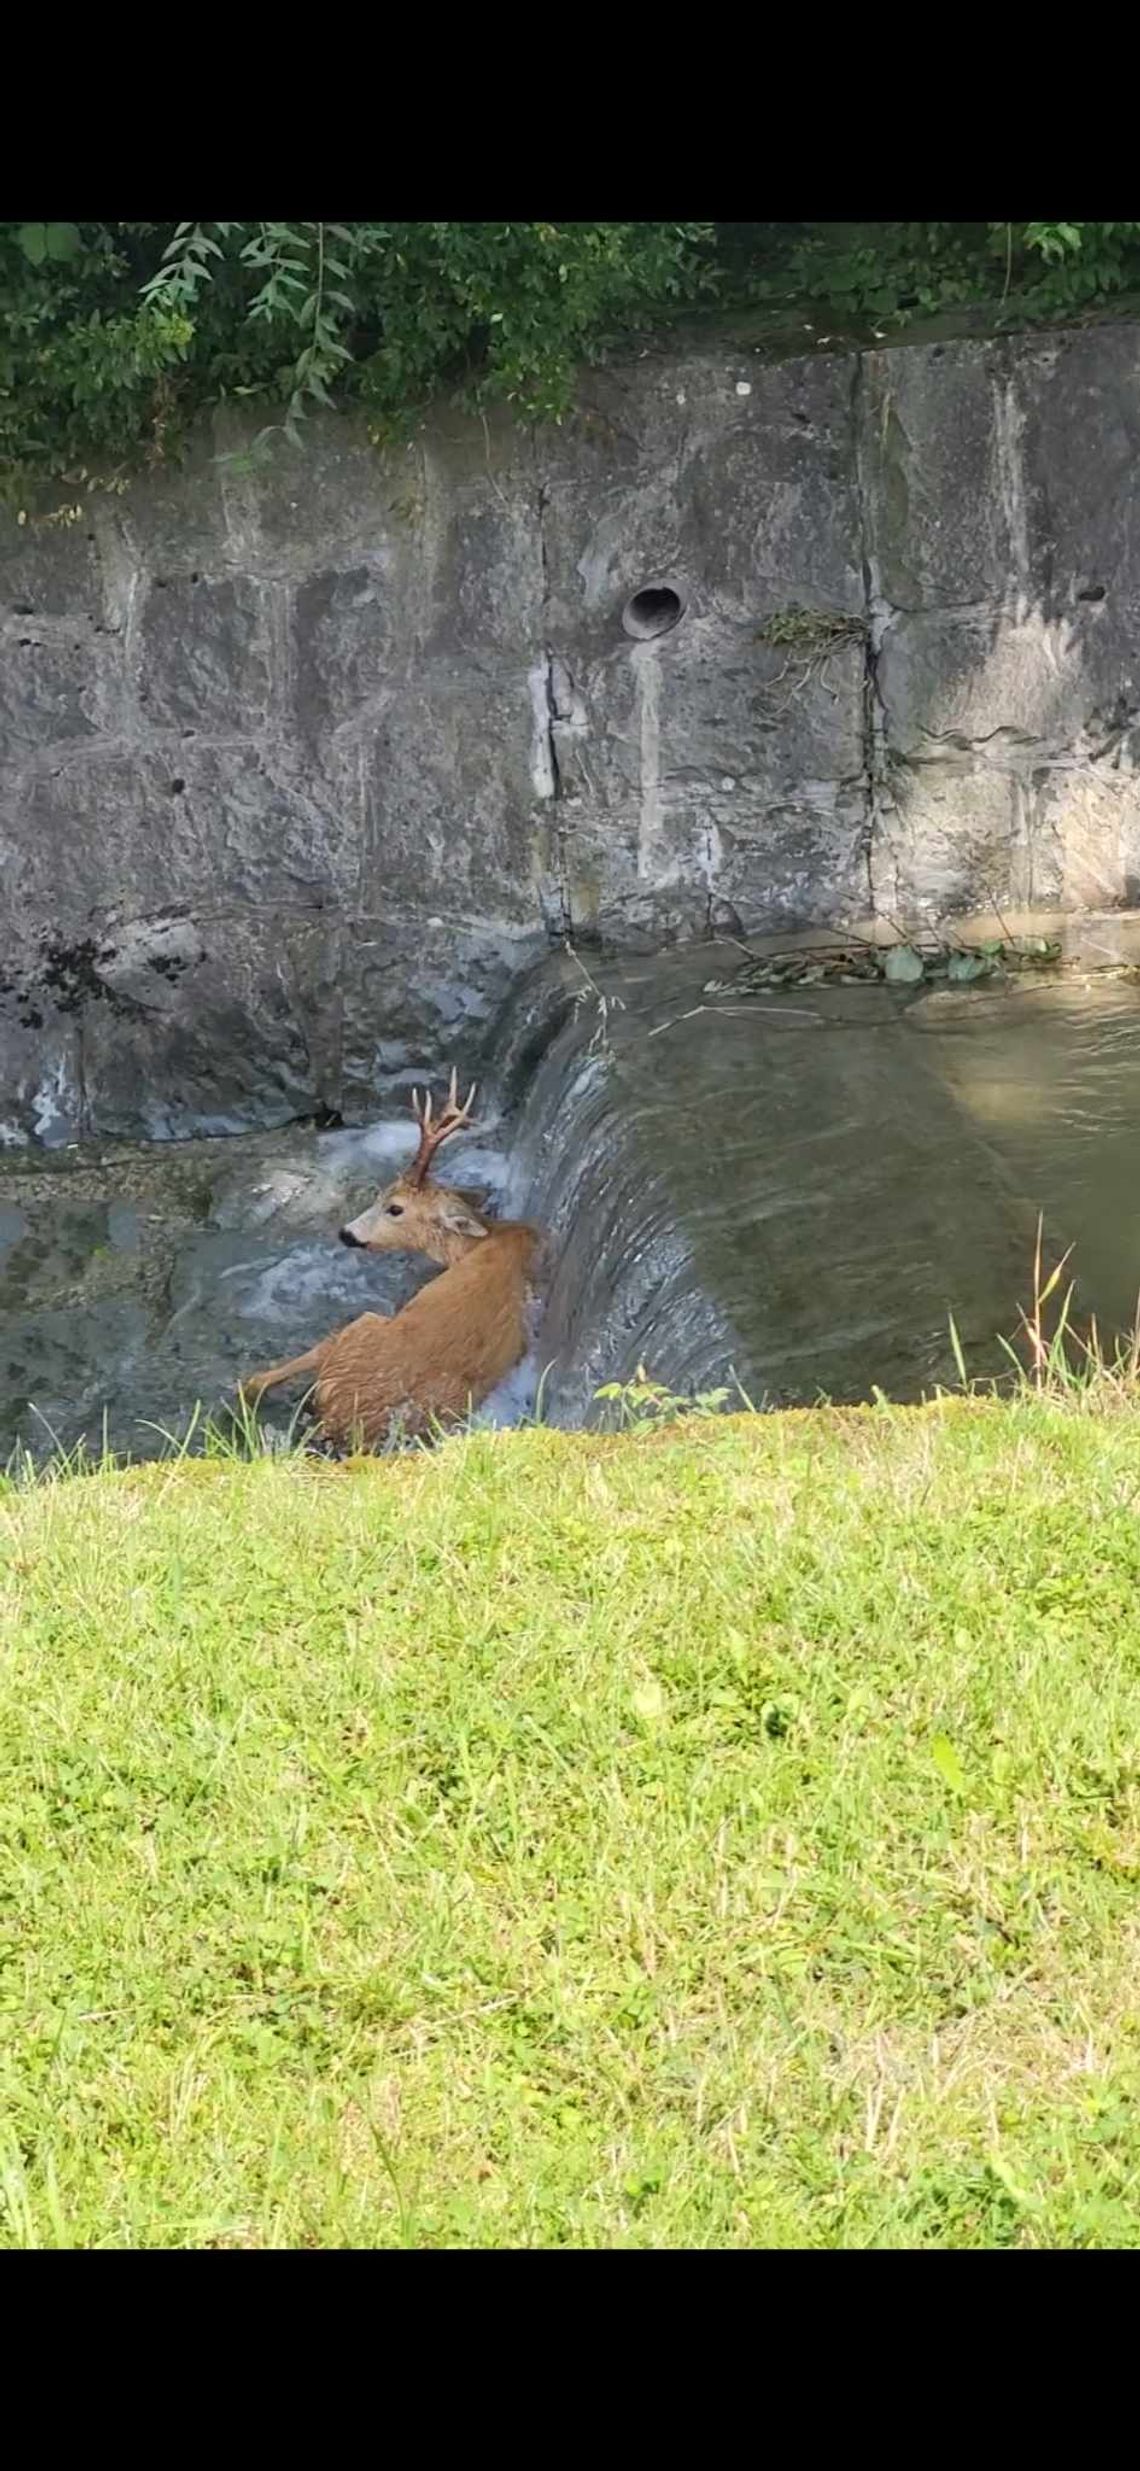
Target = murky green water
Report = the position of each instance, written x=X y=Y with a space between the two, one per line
x=800 y=1189
x=807 y=1187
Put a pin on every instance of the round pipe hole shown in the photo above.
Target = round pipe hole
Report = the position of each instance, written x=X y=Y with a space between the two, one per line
x=655 y=610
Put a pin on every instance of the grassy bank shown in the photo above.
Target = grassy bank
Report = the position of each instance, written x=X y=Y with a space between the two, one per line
x=730 y=1835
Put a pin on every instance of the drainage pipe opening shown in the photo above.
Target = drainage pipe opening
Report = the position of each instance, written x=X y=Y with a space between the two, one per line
x=655 y=610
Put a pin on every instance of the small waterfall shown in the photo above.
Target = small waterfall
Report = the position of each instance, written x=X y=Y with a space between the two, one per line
x=801 y=1193
x=796 y=1186
x=625 y=1287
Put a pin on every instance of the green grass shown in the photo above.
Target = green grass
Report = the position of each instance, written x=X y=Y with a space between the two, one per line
x=729 y=1835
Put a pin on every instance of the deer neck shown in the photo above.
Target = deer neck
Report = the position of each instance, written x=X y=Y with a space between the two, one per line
x=449 y=1249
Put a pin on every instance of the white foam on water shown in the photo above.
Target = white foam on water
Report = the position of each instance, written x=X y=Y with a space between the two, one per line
x=390 y=1144
x=478 y=1166
x=386 y=1142
x=310 y=1274
x=514 y=1400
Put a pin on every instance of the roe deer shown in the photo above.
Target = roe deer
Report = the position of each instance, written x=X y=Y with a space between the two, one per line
x=443 y=1353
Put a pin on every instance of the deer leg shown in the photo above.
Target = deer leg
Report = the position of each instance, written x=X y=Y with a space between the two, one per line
x=255 y=1384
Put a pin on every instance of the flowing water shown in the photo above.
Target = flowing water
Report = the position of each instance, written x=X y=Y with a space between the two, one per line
x=801 y=1189
x=139 y=1281
x=793 y=1190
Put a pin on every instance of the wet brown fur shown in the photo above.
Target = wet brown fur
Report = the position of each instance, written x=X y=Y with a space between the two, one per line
x=432 y=1362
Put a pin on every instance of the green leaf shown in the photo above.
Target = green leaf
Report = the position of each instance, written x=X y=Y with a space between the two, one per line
x=948 y=1763
x=32 y=239
x=63 y=240
x=966 y=966
x=903 y=966
x=648 y=1701
x=1014 y=2187
x=959 y=1357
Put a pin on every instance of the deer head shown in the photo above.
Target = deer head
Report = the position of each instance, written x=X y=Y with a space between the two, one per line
x=413 y=1215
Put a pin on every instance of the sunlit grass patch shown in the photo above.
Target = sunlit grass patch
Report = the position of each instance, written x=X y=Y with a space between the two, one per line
x=555 y=1839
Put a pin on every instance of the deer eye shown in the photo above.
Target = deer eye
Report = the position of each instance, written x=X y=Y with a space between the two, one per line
x=395 y=1209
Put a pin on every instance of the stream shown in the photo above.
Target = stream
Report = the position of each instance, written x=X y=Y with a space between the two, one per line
x=789 y=1191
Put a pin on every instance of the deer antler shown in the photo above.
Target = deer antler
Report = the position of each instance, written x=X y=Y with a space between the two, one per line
x=434 y=1131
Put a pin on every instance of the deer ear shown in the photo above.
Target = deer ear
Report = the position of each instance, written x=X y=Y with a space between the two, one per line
x=459 y=1218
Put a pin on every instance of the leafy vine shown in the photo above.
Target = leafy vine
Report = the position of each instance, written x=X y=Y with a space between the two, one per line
x=115 y=337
